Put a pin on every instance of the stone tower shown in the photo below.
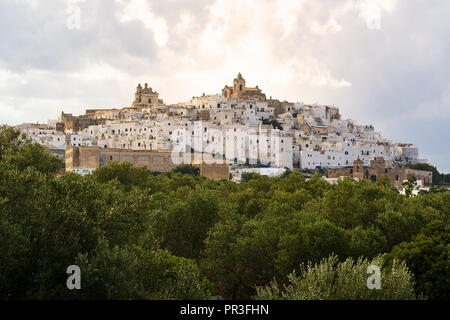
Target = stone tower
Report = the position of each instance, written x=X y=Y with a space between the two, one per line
x=358 y=169
x=239 y=84
x=240 y=91
x=146 y=97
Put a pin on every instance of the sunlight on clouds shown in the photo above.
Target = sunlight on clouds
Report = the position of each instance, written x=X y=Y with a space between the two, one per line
x=97 y=72
x=330 y=27
x=139 y=10
x=8 y=78
x=313 y=72
x=371 y=11
x=249 y=36
x=185 y=23
x=288 y=12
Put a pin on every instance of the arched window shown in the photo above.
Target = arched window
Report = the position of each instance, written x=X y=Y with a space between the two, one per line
x=149 y=100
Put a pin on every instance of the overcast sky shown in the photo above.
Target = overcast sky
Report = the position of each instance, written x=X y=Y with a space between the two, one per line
x=382 y=62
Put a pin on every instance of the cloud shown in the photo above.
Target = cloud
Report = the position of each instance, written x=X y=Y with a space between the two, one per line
x=372 y=10
x=141 y=11
x=383 y=62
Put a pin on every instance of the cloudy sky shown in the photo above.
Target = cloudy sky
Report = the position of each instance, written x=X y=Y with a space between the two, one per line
x=382 y=62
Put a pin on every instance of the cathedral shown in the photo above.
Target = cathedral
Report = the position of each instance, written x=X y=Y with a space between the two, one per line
x=240 y=91
x=146 y=98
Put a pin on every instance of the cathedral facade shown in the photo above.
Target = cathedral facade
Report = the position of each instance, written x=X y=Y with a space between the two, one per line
x=146 y=98
x=240 y=91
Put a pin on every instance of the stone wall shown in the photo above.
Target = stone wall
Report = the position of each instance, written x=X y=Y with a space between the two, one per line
x=95 y=157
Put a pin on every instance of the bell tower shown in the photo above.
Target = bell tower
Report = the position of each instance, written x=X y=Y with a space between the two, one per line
x=358 y=169
x=239 y=84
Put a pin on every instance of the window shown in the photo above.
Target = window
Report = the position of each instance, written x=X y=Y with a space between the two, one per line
x=158 y=159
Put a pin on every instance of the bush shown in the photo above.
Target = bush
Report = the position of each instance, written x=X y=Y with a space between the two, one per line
x=334 y=280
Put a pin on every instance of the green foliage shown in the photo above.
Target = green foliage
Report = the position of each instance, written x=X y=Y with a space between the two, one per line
x=347 y=280
x=102 y=222
x=247 y=176
x=409 y=186
x=437 y=189
x=428 y=257
x=187 y=169
x=275 y=124
x=183 y=224
x=178 y=235
x=124 y=172
x=438 y=178
x=110 y=273
x=18 y=151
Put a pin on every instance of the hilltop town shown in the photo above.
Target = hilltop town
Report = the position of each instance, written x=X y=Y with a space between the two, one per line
x=238 y=130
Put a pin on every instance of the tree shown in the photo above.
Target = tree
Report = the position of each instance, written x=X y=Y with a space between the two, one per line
x=187 y=169
x=123 y=273
x=183 y=224
x=124 y=172
x=137 y=235
x=347 y=280
x=275 y=124
x=18 y=151
x=247 y=176
x=220 y=257
x=409 y=186
x=428 y=257
x=438 y=189
x=309 y=239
